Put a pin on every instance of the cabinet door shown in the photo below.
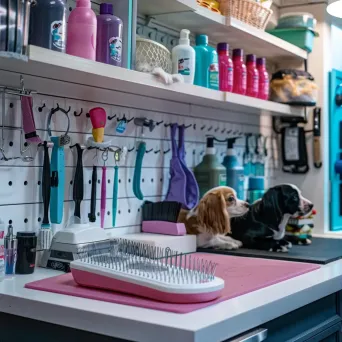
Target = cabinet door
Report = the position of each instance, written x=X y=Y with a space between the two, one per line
x=332 y=334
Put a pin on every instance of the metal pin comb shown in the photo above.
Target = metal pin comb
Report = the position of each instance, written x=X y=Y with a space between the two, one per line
x=148 y=271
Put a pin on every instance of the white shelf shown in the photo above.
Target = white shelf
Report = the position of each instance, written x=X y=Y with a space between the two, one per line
x=63 y=67
x=181 y=14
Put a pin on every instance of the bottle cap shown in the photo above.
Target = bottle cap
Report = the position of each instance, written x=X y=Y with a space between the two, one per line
x=261 y=61
x=106 y=8
x=251 y=58
x=201 y=39
x=237 y=53
x=231 y=142
x=222 y=47
x=184 y=37
x=210 y=142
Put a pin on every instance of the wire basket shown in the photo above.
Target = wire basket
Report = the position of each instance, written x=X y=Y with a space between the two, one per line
x=247 y=11
x=150 y=55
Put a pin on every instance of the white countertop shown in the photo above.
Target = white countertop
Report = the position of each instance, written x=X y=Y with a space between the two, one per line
x=215 y=323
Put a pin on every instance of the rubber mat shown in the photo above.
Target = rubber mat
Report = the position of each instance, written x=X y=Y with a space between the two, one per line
x=321 y=251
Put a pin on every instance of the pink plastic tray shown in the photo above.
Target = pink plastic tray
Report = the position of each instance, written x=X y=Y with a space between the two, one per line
x=242 y=275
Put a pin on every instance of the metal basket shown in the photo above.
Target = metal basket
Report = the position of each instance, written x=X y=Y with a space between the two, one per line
x=152 y=54
x=248 y=11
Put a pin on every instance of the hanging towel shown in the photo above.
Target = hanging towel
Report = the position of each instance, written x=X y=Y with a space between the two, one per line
x=177 y=185
x=192 y=190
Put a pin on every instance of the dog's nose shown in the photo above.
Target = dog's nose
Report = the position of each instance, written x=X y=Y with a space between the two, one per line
x=247 y=205
x=311 y=206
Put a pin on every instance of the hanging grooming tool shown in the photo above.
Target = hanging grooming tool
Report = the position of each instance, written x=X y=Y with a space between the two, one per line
x=137 y=171
x=78 y=184
x=58 y=169
x=247 y=160
x=98 y=119
x=104 y=187
x=148 y=271
x=45 y=234
x=92 y=214
x=317 y=138
x=144 y=122
x=115 y=187
x=28 y=120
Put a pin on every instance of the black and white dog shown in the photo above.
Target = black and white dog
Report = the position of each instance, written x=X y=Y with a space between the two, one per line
x=263 y=227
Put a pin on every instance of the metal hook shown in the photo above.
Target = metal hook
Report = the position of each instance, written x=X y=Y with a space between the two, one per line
x=194 y=126
x=167 y=125
x=131 y=149
x=148 y=151
x=79 y=114
x=216 y=129
x=210 y=128
x=125 y=119
x=160 y=122
x=158 y=151
x=188 y=126
x=204 y=126
x=40 y=109
x=167 y=151
x=223 y=130
x=111 y=117
x=229 y=131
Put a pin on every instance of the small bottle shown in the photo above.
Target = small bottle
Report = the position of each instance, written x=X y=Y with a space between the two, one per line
x=81 y=33
x=183 y=58
x=252 y=77
x=225 y=68
x=109 y=36
x=264 y=82
x=10 y=251
x=240 y=73
x=256 y=189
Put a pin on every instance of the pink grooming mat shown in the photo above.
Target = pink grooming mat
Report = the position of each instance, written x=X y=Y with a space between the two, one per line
x=242 y=275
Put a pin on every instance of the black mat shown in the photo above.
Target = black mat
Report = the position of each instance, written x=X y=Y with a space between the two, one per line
x=321 y=251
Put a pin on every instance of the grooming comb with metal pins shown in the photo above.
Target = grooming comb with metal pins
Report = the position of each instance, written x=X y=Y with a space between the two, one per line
x=147 y=271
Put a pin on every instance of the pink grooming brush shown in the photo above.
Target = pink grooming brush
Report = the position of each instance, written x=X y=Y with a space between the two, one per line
x=98 y=119
x=148 y=271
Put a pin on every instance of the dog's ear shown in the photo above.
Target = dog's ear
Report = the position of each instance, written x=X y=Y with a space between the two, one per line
x=212 y=214
x=271 y=207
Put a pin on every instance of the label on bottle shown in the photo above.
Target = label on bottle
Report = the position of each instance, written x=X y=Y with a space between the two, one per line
x=240 y=189
x=213 y=76
x=184 y=66
x=222 y=179
x=230 y=76
x=58 y=34
x=115 y=48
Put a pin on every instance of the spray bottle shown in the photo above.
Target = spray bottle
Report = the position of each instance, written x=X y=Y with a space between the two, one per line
x=234 y=172
x=210 y=173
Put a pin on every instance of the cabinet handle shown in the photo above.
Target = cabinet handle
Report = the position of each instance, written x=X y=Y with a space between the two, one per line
x=258 y=335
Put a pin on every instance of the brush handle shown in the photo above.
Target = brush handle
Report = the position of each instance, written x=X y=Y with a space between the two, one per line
x=92 y=214
x=137 y=171
x=78 y=190
x=46 y=185
x=115 y=194
x=103 y=195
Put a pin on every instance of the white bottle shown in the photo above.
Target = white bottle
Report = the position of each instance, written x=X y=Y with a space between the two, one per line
x=183 y=58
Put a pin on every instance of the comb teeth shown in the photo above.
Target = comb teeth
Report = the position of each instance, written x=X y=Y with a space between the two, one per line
x=151 y=262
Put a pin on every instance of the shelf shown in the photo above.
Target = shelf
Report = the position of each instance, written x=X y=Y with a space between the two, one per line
x=63 y=67
x=181 y=14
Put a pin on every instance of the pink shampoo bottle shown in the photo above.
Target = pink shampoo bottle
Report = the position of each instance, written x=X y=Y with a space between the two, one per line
x=81 y=31
x=264 y=82
x=225 y=68
x=240 y=73
x=252 y=77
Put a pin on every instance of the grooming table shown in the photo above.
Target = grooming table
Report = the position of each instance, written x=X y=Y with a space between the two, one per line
x=242 y=275
x=321 y=251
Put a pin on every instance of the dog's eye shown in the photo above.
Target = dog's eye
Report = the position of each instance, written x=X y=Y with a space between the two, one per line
x=231 y=199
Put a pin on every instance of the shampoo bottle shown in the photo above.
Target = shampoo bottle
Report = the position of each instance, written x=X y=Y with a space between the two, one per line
x=240 y=73
x=81 y=33
x=183 y=58
x=206 y=71
x=235 y=172
x=48 y=25
x=210 y=173
x=109 y=36
x=252 y=77
x=225 y=68
x=264 y=83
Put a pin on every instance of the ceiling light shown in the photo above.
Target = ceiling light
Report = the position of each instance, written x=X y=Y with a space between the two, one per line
x=335 y=8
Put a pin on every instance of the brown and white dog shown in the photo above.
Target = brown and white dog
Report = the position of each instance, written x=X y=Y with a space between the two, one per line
x=210 y=220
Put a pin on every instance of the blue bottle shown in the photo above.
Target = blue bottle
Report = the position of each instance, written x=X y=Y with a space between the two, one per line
x=235 y=172
x=206 y=67
x=256 y=188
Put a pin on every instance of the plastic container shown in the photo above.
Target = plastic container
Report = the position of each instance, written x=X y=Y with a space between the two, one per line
x=226 y=68
x=26 y=254
x=210 y=173
x=109 y=36
x=234 y=172
x=206 y=71
x=252 y=76
x=240 y=73
x=301 y=37
x=48 y=24
x=81 y=31
x=256 y=188
x=296 y=20
x=264 y=81
x=183 y=58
